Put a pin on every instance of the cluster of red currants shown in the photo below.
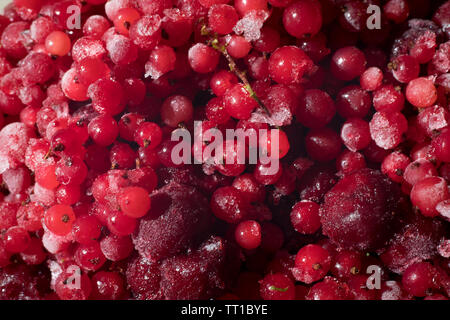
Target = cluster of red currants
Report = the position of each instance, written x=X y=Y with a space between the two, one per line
x=93 y=206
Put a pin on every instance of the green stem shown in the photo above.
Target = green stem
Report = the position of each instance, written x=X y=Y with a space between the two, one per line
x=233 y=67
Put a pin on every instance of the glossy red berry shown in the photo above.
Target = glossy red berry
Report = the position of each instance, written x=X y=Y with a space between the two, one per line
x=125 y=18
x=288 y=64
x=305 y=217
x=311 y=263
x=303 y=18
x=16 y=239
x=58 y=43
x=59 y=219
x=134 y=202
x=248 y=234
x=148 y=135
x=348 y=63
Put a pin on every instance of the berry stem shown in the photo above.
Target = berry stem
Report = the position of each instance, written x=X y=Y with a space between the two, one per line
x=274 y=288
x=233 y=66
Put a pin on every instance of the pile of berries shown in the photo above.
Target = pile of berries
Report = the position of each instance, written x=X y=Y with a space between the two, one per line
x=93 y=205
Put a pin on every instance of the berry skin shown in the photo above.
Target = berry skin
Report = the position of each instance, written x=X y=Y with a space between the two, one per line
x=355 y=134
x=329 y=289
x=238 y=102
x=91 y=69
x=238 y=47
x=348 y=162
x=353 y=102
x=148 y=135
x=419 y=278
x=176 y=109
x=228 y=204
x=103 y=130
x=394 y=166
x=387 y=129
x=245 y=6
x=441 y=145
x=72 y=87
x=405 y=68
x=222 y=18
x=348 y=63
x=316 y=109
x=89 y=257
x=86 y=229
x=323 y=144
x=120 y=224
x=371 y=79
x=277 y=286
x=346 y=264
x=57 y=43
x=311 y=264
x=107 y=96
x=146 y=32
x=134 y=202
x=46 y=177
x=248 y=234
x=421 y=93
x=305 y=217
x=215 y=111
x=107 y=286
x=116 y=248
x=427 y=193
x=16 y=239
x=396 y=10
x=125 y=18
x=281 y=146
x=222 y=81
x=288 y=64
x=303 y=18
x=203 y=59
x=162 y=60
x=66 y=289
x=388 y=99
x=59 y=219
